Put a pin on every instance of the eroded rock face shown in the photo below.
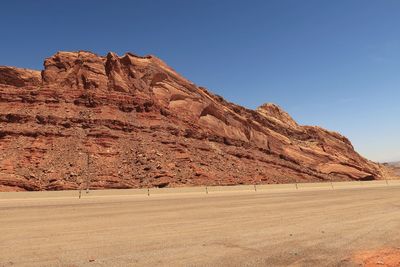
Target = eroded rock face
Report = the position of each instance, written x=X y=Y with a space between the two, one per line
x=130 y=122
x=19 y=77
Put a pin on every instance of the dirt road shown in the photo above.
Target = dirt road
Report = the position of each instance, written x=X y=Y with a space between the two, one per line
x=302 y=228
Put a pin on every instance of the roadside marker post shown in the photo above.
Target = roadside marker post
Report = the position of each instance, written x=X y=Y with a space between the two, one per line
x=206 y=190
x=255 y=188
x=148 y=192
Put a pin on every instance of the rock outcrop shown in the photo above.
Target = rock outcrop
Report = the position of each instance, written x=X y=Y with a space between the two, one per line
x=131 y=122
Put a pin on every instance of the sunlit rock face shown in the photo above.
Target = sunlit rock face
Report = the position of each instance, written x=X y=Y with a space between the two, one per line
x=132 y=122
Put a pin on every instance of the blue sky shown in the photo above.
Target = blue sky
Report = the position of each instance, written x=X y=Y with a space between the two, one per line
x=330 y=63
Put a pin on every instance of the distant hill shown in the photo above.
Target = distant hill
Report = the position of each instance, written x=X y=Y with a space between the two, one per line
x=394 y=166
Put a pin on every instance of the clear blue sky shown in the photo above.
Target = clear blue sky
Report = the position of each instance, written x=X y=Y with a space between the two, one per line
x=330 y=63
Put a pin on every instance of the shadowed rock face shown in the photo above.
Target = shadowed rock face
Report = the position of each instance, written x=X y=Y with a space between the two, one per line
x=130 y=122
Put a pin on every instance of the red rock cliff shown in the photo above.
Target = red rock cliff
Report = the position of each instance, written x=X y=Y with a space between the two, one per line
x=130 y=122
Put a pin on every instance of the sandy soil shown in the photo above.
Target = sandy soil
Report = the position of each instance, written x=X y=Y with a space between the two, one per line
x=389 y=257
x=302 y=228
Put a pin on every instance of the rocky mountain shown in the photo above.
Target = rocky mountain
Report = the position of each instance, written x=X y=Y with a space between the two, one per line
x=131 y=122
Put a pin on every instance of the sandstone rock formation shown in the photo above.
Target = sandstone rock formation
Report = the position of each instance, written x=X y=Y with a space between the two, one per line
x=131 y=122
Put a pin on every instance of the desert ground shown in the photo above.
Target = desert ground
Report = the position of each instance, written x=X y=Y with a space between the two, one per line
x=274 y=227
